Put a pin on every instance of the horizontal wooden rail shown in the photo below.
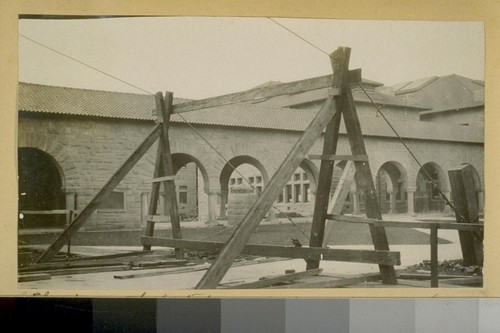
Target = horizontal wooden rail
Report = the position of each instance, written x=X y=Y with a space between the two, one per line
x=359 y=256
x=47 y=212
x=158 y=218
x=357 y=158
x=162 y=179
x=403 y=224
x=433 y=226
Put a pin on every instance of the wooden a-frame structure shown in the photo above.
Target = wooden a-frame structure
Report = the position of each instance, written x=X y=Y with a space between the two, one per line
x=339 y=104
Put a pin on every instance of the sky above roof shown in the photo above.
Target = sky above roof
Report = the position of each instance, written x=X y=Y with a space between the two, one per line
x=197 y=57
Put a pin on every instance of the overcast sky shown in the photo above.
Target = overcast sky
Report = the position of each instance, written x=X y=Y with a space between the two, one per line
x=205 y=57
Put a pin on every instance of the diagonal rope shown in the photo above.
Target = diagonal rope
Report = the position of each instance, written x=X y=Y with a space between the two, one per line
x=184 y=119
x=434 y=184
x=430 y=180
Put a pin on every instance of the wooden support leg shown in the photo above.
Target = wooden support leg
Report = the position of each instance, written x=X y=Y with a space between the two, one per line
x=434 y=257
x=100 y=196
x=165 y=107
x=323 y=189
x=467 y=211
x=155 y=194
x=366 y=185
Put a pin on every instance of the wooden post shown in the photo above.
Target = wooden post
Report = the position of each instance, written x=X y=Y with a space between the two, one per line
x=365 y=183
x=340 y=65
x=264 y=202
x=434 y=256
x=95 y=203
x=467 y=208
x=155 y=194
x=165 y=108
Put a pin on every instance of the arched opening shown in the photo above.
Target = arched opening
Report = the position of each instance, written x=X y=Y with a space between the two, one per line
x=192 y=178
x=297 y=197
x=391 y=183
x=430 y=179
x=40 y=189
x=241 y=170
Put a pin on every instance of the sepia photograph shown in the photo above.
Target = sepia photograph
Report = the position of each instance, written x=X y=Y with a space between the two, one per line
x=234 y=153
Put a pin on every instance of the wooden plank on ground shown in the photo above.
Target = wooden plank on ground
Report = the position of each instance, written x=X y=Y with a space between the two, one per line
x=164 y=272
x=270 y=280
x=334 y=282
x=359 y=256
x=463 y=281
x=33 y=277
x=97 y=200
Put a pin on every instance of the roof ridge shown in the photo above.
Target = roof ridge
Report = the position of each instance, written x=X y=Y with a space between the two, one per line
x=86 y=89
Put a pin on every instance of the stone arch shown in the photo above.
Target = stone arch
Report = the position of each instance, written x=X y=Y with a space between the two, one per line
x=312 y=173
x=41 y=188
x=427 y=198
x=72 y=178
x=227 y=171
x=391 y=182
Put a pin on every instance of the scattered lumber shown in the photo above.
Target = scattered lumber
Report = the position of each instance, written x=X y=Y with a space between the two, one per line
x=324 y=281
x=277 y=279
x=164 y=272
x=33 y=277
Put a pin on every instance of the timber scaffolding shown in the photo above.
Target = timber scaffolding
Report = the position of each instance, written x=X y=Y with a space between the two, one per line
x=340 y=104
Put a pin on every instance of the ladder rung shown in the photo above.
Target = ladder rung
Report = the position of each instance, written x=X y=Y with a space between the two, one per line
x=158 y=218
x=357 y=158
x=163 y=179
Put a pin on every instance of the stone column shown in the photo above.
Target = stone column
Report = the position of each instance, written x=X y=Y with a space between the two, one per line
x=409 y=192
x=392 y=202
x=223 y=203
x=212 y=204
x=70 y=203
x=355 y=203
x=144 y=206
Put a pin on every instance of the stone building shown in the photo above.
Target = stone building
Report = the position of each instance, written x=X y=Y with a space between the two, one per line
x=71 y=141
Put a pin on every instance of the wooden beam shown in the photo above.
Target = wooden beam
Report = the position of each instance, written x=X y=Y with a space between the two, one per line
x=340 y=65
x=334 y=282
x=365 y=183
x=264 y=202
x=257 y=94
x=434 y=257
x=269 y=281
x=164 y=106
x=96 y=202
x=405 y=224
x=338 y=198
x=359 y=158
x=467 y=211
x=163 y=179
x=263 y=93
x=345 y=255
x=45 y=212
x=33 y=277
